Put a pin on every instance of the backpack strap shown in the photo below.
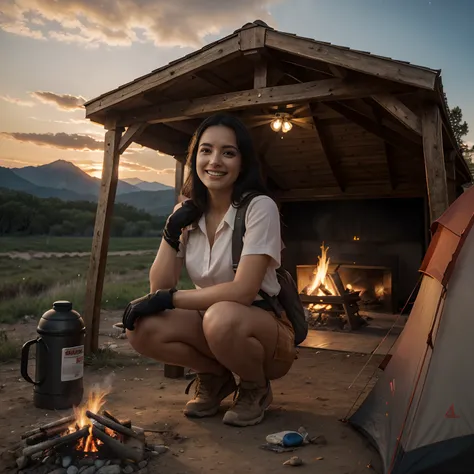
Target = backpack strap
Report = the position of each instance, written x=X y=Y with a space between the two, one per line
x=239 y=229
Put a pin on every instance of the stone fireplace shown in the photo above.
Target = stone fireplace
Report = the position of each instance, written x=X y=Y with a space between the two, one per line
x=375 y=246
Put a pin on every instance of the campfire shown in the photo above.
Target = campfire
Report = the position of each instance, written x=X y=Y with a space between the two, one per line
x=87 y=442
x=327 y=300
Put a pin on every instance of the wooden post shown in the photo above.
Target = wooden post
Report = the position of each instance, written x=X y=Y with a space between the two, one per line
x=100 y=242
x=434 y=161
x=175 y=371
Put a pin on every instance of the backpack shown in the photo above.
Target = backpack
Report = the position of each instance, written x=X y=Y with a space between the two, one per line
x=288 y=297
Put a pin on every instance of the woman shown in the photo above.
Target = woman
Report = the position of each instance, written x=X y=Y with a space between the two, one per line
x=222 y=327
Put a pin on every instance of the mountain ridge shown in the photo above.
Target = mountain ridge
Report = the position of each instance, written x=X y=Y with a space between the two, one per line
x=68 y=182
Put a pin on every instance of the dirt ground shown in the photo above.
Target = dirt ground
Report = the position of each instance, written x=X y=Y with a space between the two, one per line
x=315 y=394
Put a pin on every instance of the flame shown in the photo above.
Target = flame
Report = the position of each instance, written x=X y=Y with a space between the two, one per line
x=95 y=402
x=320 y=271
x=349 y=287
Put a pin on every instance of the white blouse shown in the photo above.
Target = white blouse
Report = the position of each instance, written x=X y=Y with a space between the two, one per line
x=208 y=266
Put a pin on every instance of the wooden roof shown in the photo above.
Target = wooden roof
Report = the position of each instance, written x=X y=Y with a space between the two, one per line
x=356 y=116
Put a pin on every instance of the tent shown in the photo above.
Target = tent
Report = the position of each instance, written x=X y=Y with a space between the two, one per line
x=420 y=413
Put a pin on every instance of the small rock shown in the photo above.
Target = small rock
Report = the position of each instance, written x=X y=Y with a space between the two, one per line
x=67 y=460
x=142 y=464
x=108 y=463
x=86 y=462
x=59 y=470
x=112 y=469
x=72 y=470
x=99 y=463
x=127 y=469
x=22 y=462
x=293 y=461
x=88 y=470
x=159 y=450
x=48 y=460
x=319 y=458
x=181 y=450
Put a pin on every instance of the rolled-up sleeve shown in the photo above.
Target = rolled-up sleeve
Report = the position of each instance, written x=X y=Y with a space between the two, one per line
x=263 y=231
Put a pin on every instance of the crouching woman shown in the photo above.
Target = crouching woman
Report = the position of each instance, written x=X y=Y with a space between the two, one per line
x=222 y=327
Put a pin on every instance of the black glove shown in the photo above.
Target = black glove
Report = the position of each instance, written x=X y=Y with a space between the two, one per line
x=147 y=305
x=182 y=217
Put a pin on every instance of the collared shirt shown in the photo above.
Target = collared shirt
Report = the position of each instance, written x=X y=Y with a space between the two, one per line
x=208 y=266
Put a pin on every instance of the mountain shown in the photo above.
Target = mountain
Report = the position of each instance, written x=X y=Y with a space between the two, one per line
x=62 y=174
x=10 y=180
x=146 y=185
x=64 y=180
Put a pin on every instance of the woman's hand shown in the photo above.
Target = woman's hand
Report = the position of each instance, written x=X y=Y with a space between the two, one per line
x=147 y=305
x=183 y=216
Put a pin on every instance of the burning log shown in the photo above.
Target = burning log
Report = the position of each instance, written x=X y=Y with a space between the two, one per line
x=118 y=427
x=51 y=443
x=63 y=421
x=126 y=423
x=46 y=434
x=123 y=451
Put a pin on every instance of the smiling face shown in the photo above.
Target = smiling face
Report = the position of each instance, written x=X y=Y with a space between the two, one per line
x=218 y=159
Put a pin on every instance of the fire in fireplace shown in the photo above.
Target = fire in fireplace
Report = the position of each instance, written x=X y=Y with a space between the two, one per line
x=334 y=293
x=88 y=441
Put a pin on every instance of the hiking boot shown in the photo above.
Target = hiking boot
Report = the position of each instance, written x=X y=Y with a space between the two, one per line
x=210 y=391
x=249 y=407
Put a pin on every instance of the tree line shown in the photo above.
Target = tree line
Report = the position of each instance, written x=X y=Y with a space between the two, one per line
x=24 y=214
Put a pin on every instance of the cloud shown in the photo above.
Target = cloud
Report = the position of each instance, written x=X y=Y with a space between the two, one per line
x=119 y=23
x=64 y=141
x=14 y=100
x=61 y=101
x=127 y=165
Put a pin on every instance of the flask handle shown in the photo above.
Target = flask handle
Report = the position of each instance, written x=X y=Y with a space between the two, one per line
x=25 y=352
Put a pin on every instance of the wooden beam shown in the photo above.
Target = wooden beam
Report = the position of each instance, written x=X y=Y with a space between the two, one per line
x=222 y=51
x=358 y=61
x=178 y=178
x=252 y=38
x=100 y=242
x=400 y=111
x=215 y=80
x=334 y=89
x=260 y=74
x=434 y=161
x=370 y=126
x=132 y=133
x=328 y=151
x=369 y=191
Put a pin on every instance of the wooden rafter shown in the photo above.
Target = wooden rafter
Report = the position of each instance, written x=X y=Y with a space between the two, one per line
x=334 y=89
x=132 y=134
x=357 y=61
x=216 y=81
x=400 y=111
x=328 y=151
x=220 y=52
x=370 y=126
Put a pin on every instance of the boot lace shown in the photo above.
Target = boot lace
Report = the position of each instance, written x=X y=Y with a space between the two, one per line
x=202 y=389
x=245 y=397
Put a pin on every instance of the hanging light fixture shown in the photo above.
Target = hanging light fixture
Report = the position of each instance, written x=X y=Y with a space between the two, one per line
x=276 y=123
x=281 y=122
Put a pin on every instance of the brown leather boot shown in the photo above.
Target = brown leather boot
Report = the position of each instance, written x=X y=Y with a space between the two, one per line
x=210 y=391
x=249 y=407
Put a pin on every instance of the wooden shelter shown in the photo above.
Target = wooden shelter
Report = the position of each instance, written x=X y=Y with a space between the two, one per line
x=363 y=126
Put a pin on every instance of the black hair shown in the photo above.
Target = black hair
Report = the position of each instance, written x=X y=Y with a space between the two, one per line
x=250 y=178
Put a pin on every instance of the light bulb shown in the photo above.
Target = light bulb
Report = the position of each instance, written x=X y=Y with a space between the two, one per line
x=276 y=124
x=287 y=126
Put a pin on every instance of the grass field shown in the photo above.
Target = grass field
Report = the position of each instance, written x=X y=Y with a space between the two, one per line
x=29 y=287
x=73 y=244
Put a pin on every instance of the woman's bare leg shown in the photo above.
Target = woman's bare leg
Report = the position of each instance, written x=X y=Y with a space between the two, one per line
x=175 y=337
x=244 y=339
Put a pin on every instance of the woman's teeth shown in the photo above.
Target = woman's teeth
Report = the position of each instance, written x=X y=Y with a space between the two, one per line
x=216 y=173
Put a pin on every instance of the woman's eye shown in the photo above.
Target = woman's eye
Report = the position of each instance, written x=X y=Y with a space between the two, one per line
x=205 y=150
x=230 y=154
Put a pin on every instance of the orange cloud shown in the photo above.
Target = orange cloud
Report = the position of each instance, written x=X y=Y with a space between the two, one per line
x=65 y=141
x=61 y=101
x=14 y=100
x=180 y=22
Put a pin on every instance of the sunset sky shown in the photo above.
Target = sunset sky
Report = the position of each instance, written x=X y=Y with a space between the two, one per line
x=56 y=54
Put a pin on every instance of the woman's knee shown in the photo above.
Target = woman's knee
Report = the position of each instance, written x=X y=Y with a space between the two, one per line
x=221 y=322
x=145 y=334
